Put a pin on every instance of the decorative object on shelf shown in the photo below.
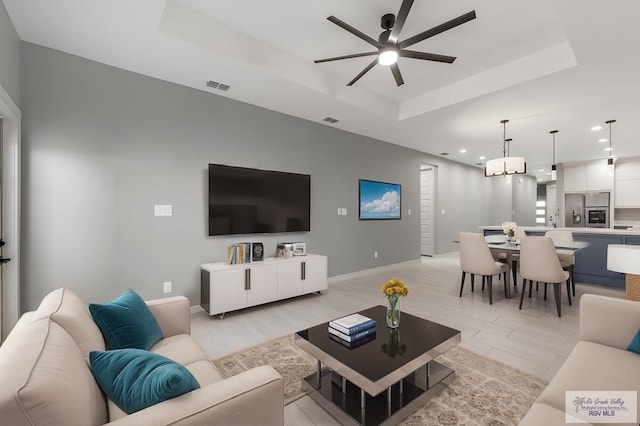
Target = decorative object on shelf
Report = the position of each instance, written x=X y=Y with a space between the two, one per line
x=506 y=165
x=626 y=259
x=393 y=347
x=257 y=252
x=509 y=229
x=610 y=159
x=393 y=289
x=554 y=168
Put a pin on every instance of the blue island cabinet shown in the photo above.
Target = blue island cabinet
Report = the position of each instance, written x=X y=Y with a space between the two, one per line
x=591 y=261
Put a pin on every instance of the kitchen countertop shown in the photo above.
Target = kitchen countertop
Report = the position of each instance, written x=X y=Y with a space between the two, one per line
x=633 y=231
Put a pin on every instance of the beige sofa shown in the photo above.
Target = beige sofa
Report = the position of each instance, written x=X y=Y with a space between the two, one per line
x=599 y=362
x=45 y=376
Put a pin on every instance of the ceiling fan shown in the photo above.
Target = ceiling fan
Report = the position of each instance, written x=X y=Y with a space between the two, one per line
x=390 y=48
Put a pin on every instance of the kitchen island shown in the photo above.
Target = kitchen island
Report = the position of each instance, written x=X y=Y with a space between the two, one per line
x=591 y=262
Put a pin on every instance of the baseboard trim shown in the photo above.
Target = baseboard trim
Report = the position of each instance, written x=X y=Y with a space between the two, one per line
x=372 y=270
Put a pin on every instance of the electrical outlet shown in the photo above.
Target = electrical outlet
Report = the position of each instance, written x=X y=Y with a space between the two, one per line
x=375 y=254
x=168 y=286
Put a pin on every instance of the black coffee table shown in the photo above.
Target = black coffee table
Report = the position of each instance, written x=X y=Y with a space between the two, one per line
x=383 y=378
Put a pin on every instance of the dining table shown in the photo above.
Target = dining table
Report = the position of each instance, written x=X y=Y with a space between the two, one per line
x=499 y=243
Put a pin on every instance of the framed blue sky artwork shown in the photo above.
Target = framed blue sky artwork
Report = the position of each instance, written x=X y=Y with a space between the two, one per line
x=379 y=200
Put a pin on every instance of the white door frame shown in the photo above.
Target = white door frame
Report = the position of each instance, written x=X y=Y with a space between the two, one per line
x=10 y=291
x=433 y=169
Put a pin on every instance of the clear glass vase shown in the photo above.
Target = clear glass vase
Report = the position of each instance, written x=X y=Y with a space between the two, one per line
x=393 y=311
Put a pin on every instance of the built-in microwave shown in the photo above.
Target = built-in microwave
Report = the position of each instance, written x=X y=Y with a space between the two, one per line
x=597 y=217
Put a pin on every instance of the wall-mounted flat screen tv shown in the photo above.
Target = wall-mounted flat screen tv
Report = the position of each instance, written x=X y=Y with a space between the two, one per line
x=379 y=200
x=252 y=201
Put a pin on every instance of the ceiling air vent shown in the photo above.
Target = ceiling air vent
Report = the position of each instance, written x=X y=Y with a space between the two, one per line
x=444 y=153
x=330 y=120
x=216 y=85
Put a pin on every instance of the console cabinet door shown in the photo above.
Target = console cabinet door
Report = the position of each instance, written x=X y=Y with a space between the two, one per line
x=290 y=280
x=227 y=289
x=263 y=283
x=315 y=275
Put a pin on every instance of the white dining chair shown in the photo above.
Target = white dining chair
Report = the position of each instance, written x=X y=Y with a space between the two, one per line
x=476 y=259
x=539 y=262
x=567 y=257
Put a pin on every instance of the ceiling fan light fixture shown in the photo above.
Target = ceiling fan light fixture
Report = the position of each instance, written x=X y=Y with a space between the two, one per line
x=388 y=56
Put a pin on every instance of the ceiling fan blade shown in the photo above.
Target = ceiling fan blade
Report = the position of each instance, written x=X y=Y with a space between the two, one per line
x=355 y=31
x=396 y=74
x=469 y=16
x=400 y=20
x=363 y=72
x=337 y=58
x=427 y=56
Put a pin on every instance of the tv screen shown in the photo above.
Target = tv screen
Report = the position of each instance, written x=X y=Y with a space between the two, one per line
x=252 y=201
x=379 y=200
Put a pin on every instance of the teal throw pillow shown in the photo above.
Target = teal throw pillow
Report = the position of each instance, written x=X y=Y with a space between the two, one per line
x=127 y=322
x=136 y=379
x=634 y=346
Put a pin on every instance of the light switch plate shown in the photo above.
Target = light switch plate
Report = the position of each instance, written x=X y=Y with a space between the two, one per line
x=163 y=210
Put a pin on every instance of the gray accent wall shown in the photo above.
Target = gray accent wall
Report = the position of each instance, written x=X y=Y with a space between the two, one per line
x=9 y=56
x=102 y=145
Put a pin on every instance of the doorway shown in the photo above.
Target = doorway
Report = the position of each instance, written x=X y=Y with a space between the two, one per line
x=427 y=209
x=9 y=199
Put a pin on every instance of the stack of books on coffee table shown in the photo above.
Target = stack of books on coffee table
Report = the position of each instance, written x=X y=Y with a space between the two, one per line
x=352 y=330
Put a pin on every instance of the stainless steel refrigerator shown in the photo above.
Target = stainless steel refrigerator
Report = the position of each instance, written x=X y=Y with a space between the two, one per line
x=574 y=207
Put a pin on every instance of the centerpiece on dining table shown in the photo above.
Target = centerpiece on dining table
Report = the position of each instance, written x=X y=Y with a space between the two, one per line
x=393 y=289
x=509 y=229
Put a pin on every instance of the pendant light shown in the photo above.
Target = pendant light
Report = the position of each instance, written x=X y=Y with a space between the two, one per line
x=610 y=159
x=553 y=163
x=505 y=165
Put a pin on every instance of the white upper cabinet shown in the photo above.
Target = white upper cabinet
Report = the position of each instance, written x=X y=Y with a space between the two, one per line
x=590 y=177
x=627 y=192
x=575 y=179
x=599 y=176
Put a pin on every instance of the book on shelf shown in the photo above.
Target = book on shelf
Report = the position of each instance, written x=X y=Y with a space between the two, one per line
x=239 y=253
x=352 y=323
x=353 y=337
x=355 y=344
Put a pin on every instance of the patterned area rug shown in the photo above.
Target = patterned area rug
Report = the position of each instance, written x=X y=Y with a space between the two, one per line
x=291 y=362
x=484 y=391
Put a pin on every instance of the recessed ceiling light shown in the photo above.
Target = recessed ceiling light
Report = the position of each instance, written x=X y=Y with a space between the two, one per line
x=539 y=180
x=603 y=140
x=482 y=157
x=549 y=174
x=541 y=170
x=608 y=149
x=462 y=151
x=596 y=128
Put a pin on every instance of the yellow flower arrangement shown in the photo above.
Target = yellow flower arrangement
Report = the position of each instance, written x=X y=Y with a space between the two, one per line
x=395 y=287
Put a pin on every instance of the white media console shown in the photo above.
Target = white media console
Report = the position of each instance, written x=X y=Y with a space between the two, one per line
x=225 y=288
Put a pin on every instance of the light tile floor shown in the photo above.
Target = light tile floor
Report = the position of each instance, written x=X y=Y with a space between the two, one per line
x=533 y=339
